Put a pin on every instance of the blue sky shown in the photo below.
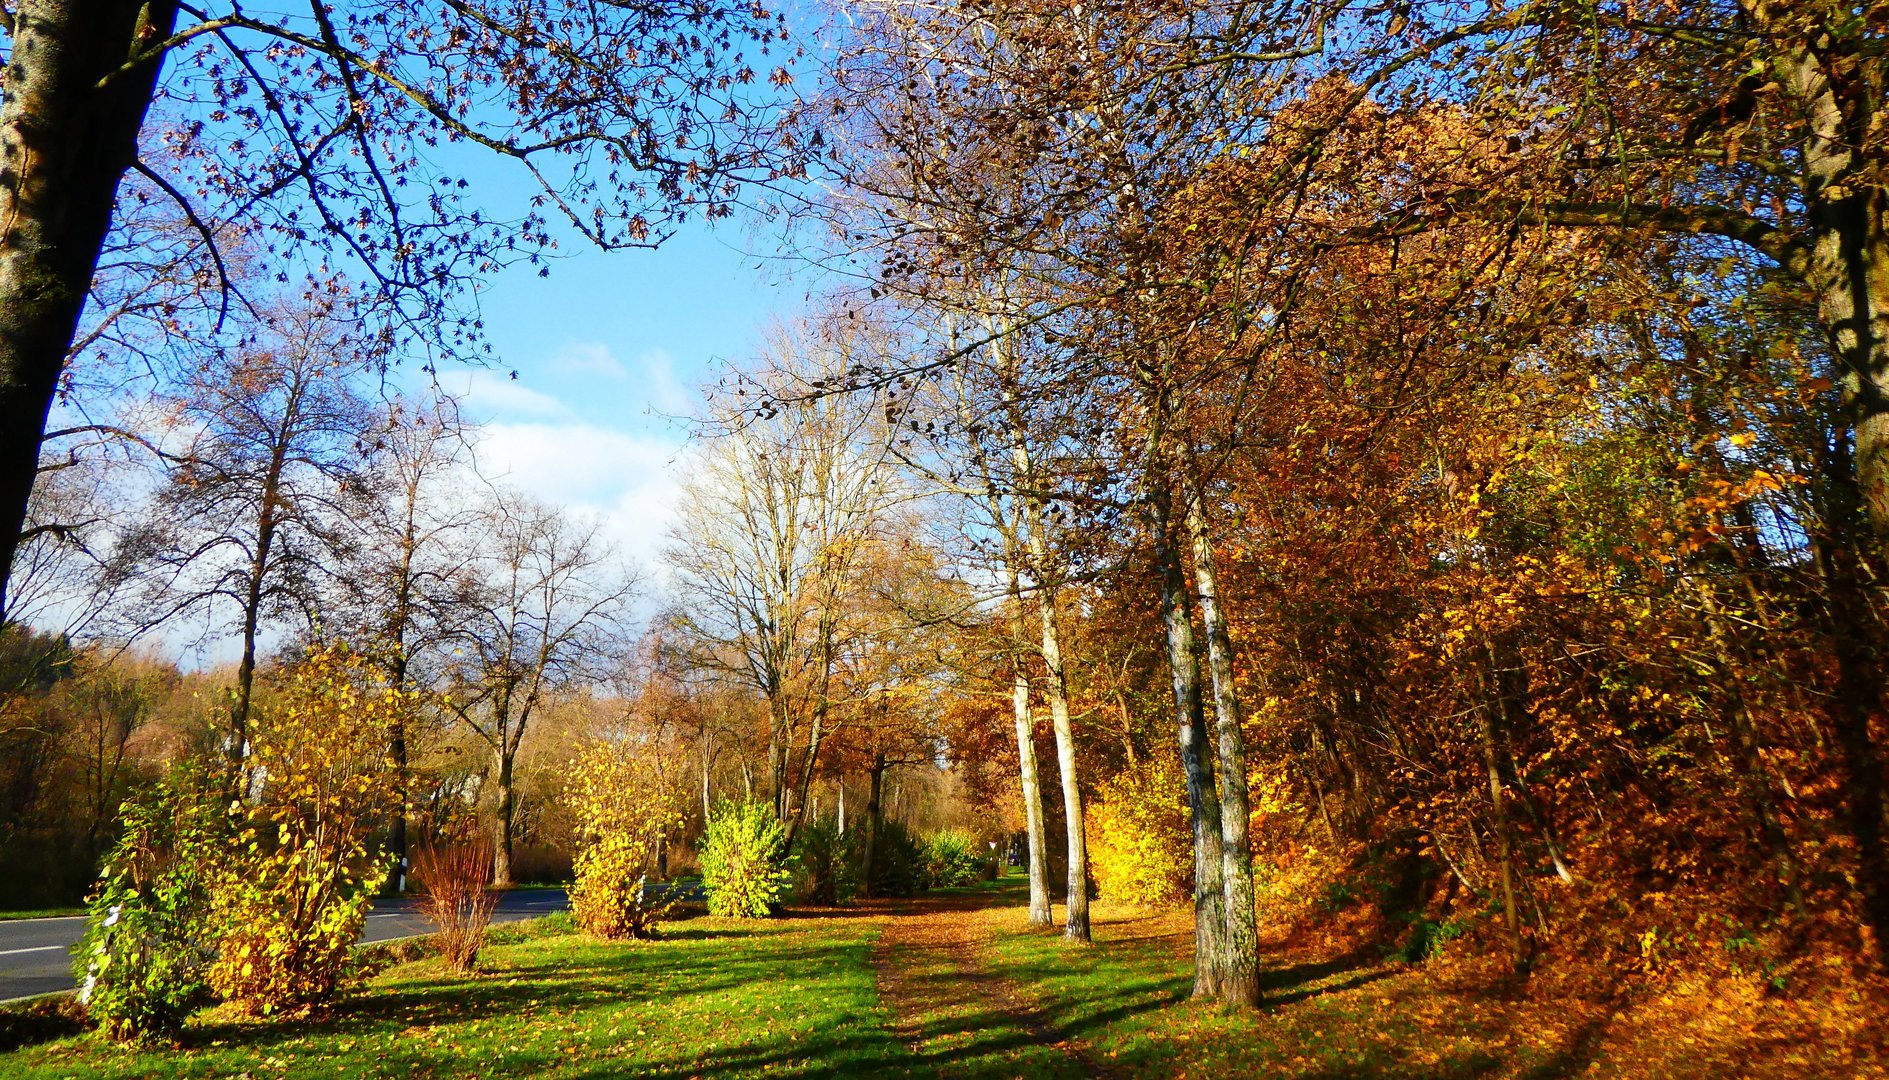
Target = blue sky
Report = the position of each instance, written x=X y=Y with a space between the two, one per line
x=606 y=350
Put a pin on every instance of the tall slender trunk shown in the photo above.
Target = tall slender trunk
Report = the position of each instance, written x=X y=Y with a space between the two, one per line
x=400 y=621
x=1846 y=265
x=1056 y=694
x=1855 y=633
x=1056 y=682
x=257 y=577
x=502 y=822
x=1203 y=797
x=68 y=133
x=875 y=816
x=779 y=732
x=1035 y=831
x=816 y=733
x=1240 y=979
x=1498 y=810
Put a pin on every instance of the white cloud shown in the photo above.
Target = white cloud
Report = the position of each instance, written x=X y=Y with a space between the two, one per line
x=666 y=393
x=627 y=482
x=587 y=358
x=496 y=394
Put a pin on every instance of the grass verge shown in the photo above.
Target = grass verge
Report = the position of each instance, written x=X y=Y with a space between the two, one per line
x=716 y=997
x=42 y=913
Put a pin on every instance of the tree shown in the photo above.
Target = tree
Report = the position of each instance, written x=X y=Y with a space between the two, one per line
x=402 y=573
x=537 y=609
x=779 y=513
x=255 y=514
x=308 y=132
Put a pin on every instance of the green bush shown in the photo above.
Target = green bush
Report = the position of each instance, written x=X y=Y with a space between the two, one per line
x=952 y=858
x=898 y=863
x=143 y=964
x=826 y=858
x=745 y=867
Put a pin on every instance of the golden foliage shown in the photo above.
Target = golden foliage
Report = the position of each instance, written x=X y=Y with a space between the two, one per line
x=622 y=804
x=1140 y=842
x=295 y=897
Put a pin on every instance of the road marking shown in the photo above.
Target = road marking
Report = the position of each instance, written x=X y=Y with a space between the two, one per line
x=36 y=948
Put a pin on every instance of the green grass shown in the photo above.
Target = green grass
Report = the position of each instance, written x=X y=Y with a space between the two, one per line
x=716 y=997
x=42 y=913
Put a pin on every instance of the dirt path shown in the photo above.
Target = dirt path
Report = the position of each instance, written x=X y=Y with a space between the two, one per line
x=954 y=1013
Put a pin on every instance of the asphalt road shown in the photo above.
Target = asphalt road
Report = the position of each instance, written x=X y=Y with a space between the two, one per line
x=36 y=954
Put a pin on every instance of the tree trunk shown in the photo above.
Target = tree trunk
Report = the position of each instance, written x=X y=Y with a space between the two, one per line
x=1056 y=693
x=1847 y=268
x=1855 y=634
x=1203 y=798
x=502 y=824
x=874 y=818
x=252 y=615
x=1240 y=981
x=1035 y=832
x=65 y=142
x=777 y=750
x=1498 y=812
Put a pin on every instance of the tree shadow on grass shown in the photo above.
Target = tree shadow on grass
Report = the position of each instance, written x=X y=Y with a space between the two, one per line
x=629 y=977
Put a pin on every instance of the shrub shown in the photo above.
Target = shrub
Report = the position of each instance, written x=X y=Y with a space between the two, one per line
x=143 y=965
x=1140 y=839
x=745 y=867
x=622 y=805
x=826 y=859
x=952 y=857
x=898 y=864
x=459 y=898
x=294 y=900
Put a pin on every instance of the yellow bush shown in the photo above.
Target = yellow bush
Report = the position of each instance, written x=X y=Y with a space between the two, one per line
x=292 y=901
x=1141 y=844
x=622 y=805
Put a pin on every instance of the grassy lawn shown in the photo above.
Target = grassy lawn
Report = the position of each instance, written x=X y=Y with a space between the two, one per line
x=956 y=984
x=716 y=997
x=1127 y=1000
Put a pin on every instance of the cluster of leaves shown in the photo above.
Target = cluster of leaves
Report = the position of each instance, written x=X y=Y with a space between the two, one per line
x=827 y=861
x=1140 y=839
x=952 y=858
x=143 y=964
x=623 y=806
x=746 y=869
x=256 y=900
x=294 y=898
x=898 y=861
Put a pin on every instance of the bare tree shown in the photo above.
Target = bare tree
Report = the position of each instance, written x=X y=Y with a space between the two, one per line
x=253 y=517
x=407 y=557
x=307 y=128
x=538 y=610
x=774 y=519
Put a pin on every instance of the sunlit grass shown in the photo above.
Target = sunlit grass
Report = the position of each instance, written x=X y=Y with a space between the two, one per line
x=42 y=913
x=721 y=998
